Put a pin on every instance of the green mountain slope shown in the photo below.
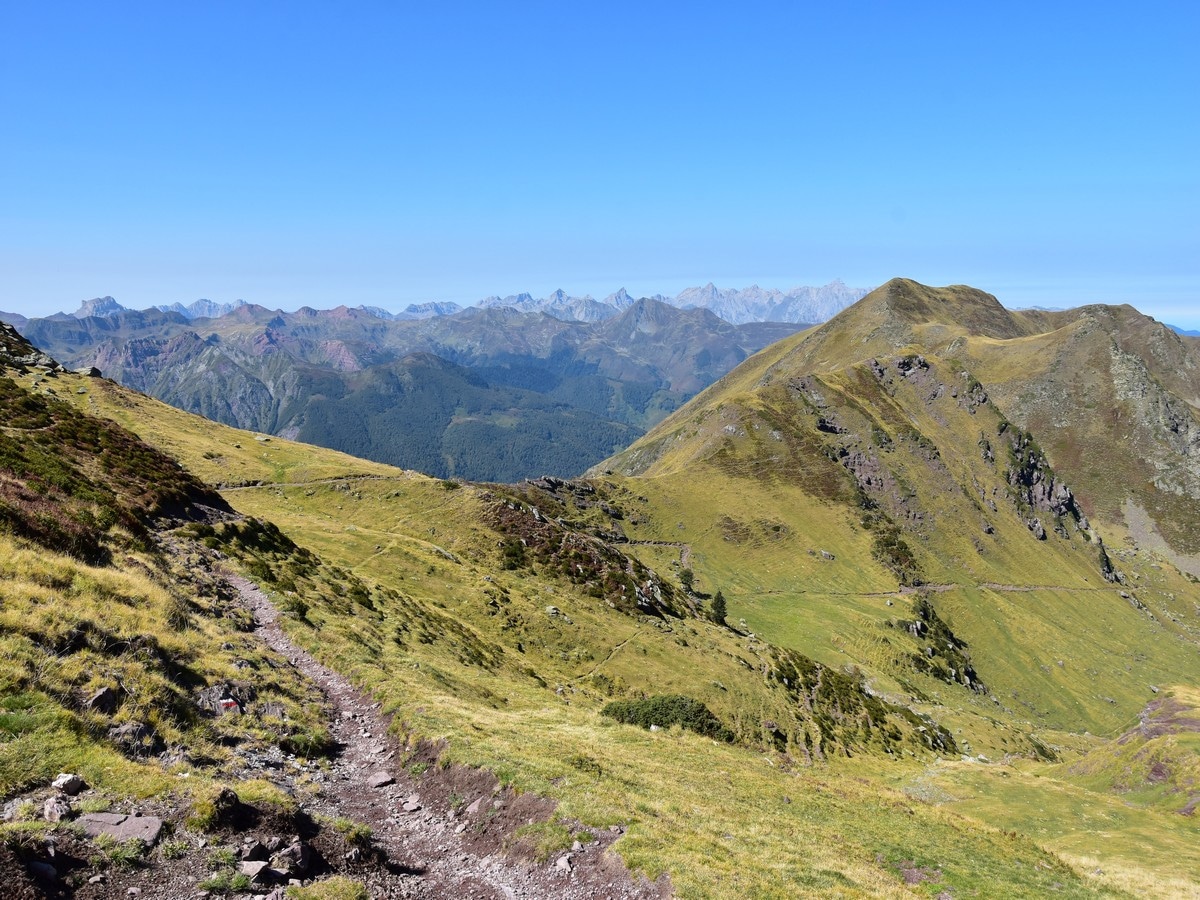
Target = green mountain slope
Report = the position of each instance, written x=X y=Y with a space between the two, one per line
x=838 y=514
x=107 y=630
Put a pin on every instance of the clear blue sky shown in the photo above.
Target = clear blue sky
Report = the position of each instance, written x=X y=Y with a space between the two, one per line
x=294 y=153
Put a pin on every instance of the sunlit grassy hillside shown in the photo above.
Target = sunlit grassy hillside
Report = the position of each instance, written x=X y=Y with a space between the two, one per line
x=414 y=586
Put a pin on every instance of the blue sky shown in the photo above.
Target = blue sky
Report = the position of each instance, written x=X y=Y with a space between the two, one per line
x=293 y=153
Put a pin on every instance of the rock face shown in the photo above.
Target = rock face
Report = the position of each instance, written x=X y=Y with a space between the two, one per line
x=17 y=352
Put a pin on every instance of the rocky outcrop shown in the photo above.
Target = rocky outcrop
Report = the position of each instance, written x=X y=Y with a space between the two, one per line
x=1035 y=487
x=18 y=353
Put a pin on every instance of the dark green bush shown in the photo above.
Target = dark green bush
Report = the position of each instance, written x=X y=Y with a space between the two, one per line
x=666 y=710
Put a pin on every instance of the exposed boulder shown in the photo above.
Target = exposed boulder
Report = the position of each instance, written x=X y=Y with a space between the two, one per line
x=122 y=827
x=106 y=700
x=380 y=779
x=135 y=738
x=56 y=809
x=293 y=861
x=70 y=784
x=227 y=697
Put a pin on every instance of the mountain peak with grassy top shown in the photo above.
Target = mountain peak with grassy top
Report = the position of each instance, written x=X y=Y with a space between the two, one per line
x=867 y=595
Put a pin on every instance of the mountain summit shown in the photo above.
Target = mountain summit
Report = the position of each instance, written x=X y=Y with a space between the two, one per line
x=99 y=306
x=1048 y=372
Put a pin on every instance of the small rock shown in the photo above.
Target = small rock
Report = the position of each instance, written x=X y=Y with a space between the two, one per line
x=68 y=783
x=96 y=879
x=56 y=809
x=577 y=846
x=615 y=829
x=131 y=735
x=353 y=855
x=255 y=851
x=106 y=700
x=295 y=860
x=134 y=892
x=410 y=806
x=462 y=826
x=10 y=810
x=256 y=870
x=380 y=779
x=564 y=863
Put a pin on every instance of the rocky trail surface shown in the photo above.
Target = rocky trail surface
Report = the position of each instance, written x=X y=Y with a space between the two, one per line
x=386 y=816
x=445 y=832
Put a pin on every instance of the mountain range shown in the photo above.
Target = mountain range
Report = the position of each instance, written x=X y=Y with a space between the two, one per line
x=799 y=305
x=490 y=393
x=903 y=603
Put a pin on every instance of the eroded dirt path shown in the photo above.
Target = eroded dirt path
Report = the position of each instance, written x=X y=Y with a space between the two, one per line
x=444 y=832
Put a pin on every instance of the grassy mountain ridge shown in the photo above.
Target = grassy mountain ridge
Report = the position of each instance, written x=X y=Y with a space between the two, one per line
x=907 y=459
x=502 y=620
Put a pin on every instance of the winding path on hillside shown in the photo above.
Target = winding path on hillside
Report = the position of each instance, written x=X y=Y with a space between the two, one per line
x=908 y=590
x=432 y=828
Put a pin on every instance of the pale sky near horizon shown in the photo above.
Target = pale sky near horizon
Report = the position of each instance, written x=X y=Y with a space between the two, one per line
x=296 y=154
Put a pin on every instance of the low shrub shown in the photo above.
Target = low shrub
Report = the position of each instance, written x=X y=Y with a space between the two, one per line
x=666 y=710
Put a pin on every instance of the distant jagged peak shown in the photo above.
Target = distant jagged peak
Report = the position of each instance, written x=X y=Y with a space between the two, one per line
x=515 y=301
x=202 y=308
x=620 y=299
x=734 y=305
x=758 y=304
x=100 y=307
x=701 y=296
x=377 y=311
x=431 y=309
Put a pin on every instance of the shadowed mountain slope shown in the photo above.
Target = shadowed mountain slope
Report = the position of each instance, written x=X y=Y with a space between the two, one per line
x=511 y=394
